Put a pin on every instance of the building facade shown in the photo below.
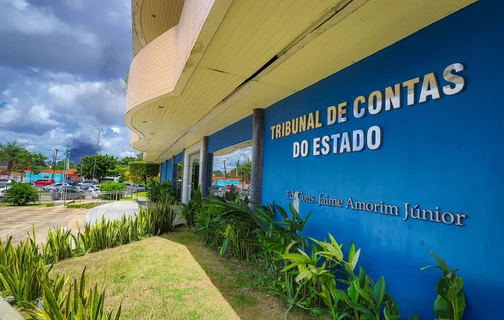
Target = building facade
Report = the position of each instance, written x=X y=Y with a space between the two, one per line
x=380 y=117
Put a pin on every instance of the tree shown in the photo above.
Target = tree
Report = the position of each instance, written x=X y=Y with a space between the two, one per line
x=143 y=170
x=246 y=170
x=36 y=162
x=126 y=160
x=218 y=173
x=9 y=151
x=60 y=165
x=105 y=165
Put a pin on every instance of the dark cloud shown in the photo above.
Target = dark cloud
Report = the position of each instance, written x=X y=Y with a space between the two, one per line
x=89 y=38
x=62 y=67
x=80 y=148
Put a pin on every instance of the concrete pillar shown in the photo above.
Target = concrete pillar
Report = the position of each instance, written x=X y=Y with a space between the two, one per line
x=203 y=162
x=257 y=156
x=209 y=172
x=186 y=177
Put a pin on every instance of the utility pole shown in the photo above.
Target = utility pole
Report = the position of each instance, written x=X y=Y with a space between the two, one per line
x=96 y=156
x=55 y=156
x=225 y=172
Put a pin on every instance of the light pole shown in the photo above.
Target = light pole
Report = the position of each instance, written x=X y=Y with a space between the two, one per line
x=225 y=173
x=55 y=156
x=96 y=156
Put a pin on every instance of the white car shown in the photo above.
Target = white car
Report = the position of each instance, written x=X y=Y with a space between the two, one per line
x=95 y=193
x=5 y=182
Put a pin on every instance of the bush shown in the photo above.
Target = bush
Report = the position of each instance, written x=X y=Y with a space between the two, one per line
x=157 y=189
x=112 y=190
x=191 y=210
x=20 y=194
x=82 y=205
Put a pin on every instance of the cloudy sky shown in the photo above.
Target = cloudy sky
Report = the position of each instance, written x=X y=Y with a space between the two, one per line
x=62 y=69
x=242 y=155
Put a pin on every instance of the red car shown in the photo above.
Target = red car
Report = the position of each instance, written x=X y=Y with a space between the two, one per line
x=43 y=182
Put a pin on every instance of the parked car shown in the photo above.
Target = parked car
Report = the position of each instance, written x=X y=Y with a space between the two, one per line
x=2 y=190
x=245 y=192
x=86 y=185
x=70 y=194
x=93 y=187
x=70 y=182
x=56 y=185
x=95 y=194
x=43 y=182
x=5 y=182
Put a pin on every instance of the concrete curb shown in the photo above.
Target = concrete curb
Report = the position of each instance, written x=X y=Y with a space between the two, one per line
x=7 y=312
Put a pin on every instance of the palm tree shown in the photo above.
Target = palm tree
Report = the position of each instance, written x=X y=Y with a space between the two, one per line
x=9 y=151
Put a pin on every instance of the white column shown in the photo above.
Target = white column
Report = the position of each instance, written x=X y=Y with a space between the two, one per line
x=187 y=172
x=186 y=177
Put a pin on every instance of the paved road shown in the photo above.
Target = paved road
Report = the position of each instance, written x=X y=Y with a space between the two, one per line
x=17 y=221
x=112 y=211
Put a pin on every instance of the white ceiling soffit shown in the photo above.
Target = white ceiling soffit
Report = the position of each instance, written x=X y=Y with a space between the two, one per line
x=361 y=28
x=233 y=148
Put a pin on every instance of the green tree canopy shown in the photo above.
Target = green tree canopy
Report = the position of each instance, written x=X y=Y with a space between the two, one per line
x=126 y=160
x=143 y=170
x=218 y=173
x=244 y=169
x=9 y=151
x=60 y=165
x=36 y=162
x=105 y=166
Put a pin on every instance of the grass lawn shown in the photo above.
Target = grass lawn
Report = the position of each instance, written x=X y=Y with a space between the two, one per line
x=26 y=205
x=178 y=278
x=141 y=194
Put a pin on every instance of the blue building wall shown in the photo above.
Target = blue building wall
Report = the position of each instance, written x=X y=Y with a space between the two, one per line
x=168 y=170
x=179 y=158
x=444 y=153
x=236 y=133
x=162 y=171
x=32 y=177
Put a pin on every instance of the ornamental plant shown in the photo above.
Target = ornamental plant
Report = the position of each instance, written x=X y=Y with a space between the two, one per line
x=21 y=194
x=450 y=302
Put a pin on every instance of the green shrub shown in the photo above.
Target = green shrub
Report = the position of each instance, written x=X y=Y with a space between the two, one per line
x=82 y=205
x=112 y=190
x=72 y=301
x=20 y=194
x=450 y=302
x=157 y=189
x=191 y=210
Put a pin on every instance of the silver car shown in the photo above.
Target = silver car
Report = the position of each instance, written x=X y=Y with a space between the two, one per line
x=70 y=194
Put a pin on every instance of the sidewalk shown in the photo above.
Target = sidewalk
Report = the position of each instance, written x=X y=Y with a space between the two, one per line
x=112 y=211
